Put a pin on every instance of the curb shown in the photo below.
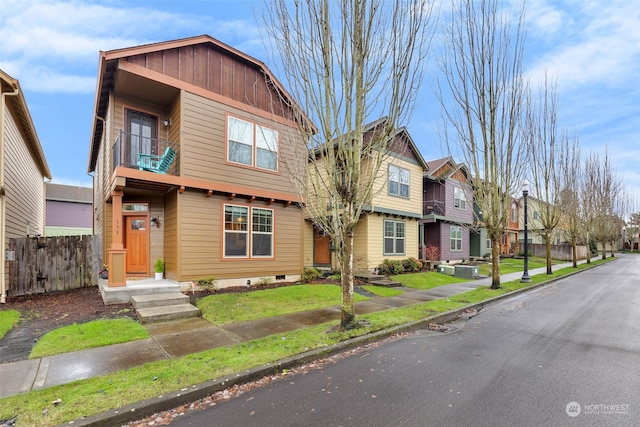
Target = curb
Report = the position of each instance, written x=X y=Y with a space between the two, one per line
x=176 y=398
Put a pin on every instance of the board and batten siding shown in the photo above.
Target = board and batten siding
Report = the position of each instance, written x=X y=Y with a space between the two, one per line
x=201 y=233
x=24 y=185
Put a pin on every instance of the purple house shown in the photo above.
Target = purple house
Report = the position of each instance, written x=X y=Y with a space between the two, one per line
x=69 y=210
x=447 y=210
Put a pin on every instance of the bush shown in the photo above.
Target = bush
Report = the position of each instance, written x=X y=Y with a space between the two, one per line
x=208 y=283
x=335 y=276
x=432 y=252
x=391 y=267
x=310 y=274
x=411 y=265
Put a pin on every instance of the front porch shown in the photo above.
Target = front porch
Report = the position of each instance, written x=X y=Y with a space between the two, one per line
x=123 y=294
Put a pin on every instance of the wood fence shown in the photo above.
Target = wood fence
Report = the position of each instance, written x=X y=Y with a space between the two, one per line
x=562 y=252
x=49 y=264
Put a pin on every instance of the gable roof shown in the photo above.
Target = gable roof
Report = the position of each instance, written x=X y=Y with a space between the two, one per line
x=439 y=171
x=69 y=193
x=109 y=65
x=18 y=105
x=403 y=133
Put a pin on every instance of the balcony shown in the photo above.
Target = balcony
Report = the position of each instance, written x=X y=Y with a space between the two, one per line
x=433 y=207
x=144 y=153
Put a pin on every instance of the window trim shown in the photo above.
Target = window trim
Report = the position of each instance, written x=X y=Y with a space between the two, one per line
x=394 y=237
x=453 y=239
x=255 y=128
x=459 y=203
x=399 y=182
x=249 y=233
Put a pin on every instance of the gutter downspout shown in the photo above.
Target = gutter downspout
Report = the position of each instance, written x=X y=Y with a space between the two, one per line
x=3 y=272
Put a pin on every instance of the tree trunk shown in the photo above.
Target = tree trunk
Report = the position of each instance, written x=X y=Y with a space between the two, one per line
x=604 y=251
x=495 y=264
x=348 y=317
x=574 y=247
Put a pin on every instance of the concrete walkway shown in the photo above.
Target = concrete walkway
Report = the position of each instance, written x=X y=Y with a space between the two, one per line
x=181 y=337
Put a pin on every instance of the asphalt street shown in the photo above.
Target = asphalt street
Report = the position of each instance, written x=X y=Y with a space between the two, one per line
x=565 y=354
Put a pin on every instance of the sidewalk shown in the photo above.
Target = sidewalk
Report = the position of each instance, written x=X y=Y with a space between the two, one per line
x=178 y=338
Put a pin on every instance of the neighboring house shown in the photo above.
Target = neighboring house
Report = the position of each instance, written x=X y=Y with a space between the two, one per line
x=479 y=240
x=186 y=148
x=448 y=209
x=388 y=226
x=535 y=229
x=510 y=243
x=69 y=210
x=23 y=170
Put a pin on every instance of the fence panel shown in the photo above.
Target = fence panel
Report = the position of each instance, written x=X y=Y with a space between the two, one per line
x=51 y=264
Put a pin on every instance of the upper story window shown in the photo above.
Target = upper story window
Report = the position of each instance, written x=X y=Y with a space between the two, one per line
x=459 y=200
x=398 y=181
x=251 y=144
x=514 y=213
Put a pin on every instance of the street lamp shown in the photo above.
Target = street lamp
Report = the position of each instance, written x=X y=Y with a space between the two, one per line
x=525 y=193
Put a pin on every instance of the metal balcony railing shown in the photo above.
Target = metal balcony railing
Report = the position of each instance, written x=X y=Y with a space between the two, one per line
x=433 y=207
x=144 y=153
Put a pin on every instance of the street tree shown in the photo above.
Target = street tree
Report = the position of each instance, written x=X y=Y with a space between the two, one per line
x=541 y=135
x=481 y=97
x=348 y=63
x=570 y=200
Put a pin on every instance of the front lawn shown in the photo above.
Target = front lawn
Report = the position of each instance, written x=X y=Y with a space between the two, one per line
x=83 y=336
x=8 y=318
x=426 y=280
x=221 y=309
x=515 y=265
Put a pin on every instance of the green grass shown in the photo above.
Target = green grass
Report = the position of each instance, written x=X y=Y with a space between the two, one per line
x=426 y=280
x=514 y=265
x=86 y=397
x=8 y=318
x=83 y=336
x=238 y=307
x=382 y=291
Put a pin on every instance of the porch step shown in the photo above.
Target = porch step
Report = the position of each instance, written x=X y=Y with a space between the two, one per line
x=158 y=300
x=167 y=312
x=163 y=306
x=384 y=282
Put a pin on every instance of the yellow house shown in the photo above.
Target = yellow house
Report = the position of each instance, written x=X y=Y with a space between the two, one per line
x=388 y=227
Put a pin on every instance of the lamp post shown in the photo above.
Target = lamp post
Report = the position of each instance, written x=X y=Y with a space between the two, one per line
x=525 y=193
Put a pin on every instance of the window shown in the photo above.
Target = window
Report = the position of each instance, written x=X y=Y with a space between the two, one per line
x=398 y=181
x=245 y=137
x=459 y=201
x=394 y=236
x=514 y=213
x=536 y=215
x=455 y=236
x=236 y=232
x=489 y=244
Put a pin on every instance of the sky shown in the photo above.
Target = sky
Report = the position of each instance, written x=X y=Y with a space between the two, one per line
x=592 y=49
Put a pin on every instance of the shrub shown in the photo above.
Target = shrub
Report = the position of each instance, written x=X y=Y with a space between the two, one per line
x=335 y=276
x=391 y=267
x=411 y=264
x=208 y=283
x=432 y=252
x=310 y=274
x=159 y=266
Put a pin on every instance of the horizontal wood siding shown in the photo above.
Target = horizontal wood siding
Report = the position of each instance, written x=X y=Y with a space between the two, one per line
x=171 y=241
x=383 y=199
x=361 y=244
x=201 y=234
x=69 y=214
x=308 y=243
x=445 y=243
x=203 y=146
x=451 y=211
x=376 y=239
x=24 y=185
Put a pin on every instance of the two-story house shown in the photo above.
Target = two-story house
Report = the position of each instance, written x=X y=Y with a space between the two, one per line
x=447 y=209
x=388 y=226
x=23 y=170
x=186 y=147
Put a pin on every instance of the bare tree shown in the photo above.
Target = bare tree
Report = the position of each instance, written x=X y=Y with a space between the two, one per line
x=541 y=135
x=482 y=67
x=348 y=63
x=569 y=200
x=605 y=189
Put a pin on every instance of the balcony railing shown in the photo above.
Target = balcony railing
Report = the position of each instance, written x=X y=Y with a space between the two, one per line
x=433 y=207
x=144 y=153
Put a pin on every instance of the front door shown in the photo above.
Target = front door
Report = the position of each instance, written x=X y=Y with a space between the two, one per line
x=137 y=244
x=322 y=248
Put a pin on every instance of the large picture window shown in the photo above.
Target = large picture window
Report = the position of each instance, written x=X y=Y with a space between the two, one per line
x=394 y=237
x=398 y=181
x=244 y=227
x=455 y=236
x=459 y=200
x=252 y=145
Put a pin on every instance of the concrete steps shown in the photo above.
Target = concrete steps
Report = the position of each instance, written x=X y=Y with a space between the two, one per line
x=165 y=306
x=377 y=280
